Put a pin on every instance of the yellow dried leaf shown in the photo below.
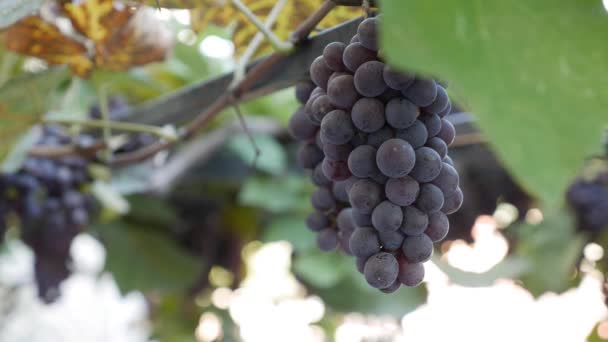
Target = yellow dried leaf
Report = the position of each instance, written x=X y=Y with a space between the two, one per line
x=96 y=19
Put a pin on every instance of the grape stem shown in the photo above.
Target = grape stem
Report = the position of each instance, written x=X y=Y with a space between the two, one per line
x=277 y=44
x=115 y=125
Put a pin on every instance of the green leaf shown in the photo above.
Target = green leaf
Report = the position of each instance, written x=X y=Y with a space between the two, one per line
x=530 y=71
x=14 y=10
x=272 y=158
x=292 y=229
x=275 y=195
x=322 y=270
x=23 y=101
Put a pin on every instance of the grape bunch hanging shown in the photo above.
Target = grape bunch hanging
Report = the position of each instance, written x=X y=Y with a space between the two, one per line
x=376 y=140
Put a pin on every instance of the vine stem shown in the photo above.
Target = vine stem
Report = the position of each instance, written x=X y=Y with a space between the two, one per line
x=277 y=44
x=115 y=125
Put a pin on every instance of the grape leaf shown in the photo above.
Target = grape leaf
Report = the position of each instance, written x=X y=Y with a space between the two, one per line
x=12 y=10
x=23 y=101
x=530 y=71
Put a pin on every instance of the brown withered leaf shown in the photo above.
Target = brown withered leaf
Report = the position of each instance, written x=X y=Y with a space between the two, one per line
x=33 y=36
x=96 y=19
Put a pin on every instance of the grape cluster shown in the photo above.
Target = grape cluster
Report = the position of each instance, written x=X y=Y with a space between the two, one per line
x=589 y=199
x=48 y=198
x=376 y=141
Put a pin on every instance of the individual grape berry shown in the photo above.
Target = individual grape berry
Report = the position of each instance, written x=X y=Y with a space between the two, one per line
x=387 y=217
x=401 y=113
x=309 y=156
x=313 y=96
x=430 y=198
x=339 y=190
x=337 y=74
x=361 y=220
x=342 y=92
x=446 y=111
x=327 y=240
x=368 y=33
x=337 y=152
x=381 y=270
x=391 y=240
x=365 y=195
x=362 y=161
x=440 y=103
x=447 y=132
x=439 y=146
x=402 y=191
x=322 y=199
x=378 y=137
x=348 y=183
x=439 y=225
x=448 y=160
x=354 y=39
x=318 y=177
x=395 y=158
x=335 y=170
x=417 y=248
x=393 y=287
x=303 y=90
x=432 y=122
x=317 y=221
x=345 y=220
x=364 y=242
x=320 y=107
x=414 y=221
x=300 y=127
x=336 y=128
x=428 y=165
x=447 y=180
x=395 y=79
x=422 y=92
x=333 y=56
x=410 y=274
x=360 y=263
x=368 y=114
x=368 y=79
x=416 y=134
x=344 y=241
x=356 y=54
x=452 y=202
x=320 y=72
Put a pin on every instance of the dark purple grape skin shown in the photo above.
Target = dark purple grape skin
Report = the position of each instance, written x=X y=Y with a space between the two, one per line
x=391 y=241
x=452 y=202
x=303 y=90
x=300 y=127
x=342 y=92
x=362 y=220
x=333 y=56
x=309 y=156
x=402 y=191
x=316 y=221
x=344 y=241
x=360 y=263
x=410 y=274
x=447 y=180
x=448 y=160
x=432 y=122
x=428 y=165
x=320 y=107
x=395 y=158
x=337 y=152
x=447 y=132
x=387 y=217
x=430 y=198
x=379 y=178
x=318 y=177
x=381 y=270
x=401 y=113
x=335 y=170
x=439 y=225
x=378 y=137
x=440 y=103
x=368 y=79
x=345 y=220
x=323 y=199
x=364 y=242
x=422 y=92
x=395 y=79
x=337 y=128
x=365 y=195
x=368 y=114
x=417 y=248
x=414 y=221
x=320 y=72
x=392 y=288
x=439 y=146
x=327 y=240
x=339 y=190
x=368 y=33
x=362 y=161
x=446 y=111
x=354 y=39
x=356 y=54
x=416 y=134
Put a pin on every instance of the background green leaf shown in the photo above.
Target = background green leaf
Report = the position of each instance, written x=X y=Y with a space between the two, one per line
x=531 y=72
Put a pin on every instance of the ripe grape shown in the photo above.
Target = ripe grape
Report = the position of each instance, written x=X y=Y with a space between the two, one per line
x=447 y=180
x=430 y=198
x=410 y=274
x=395 y=158
x=440 y=103
x=446 y=111
x=322 y=199
x=356 y=54
x=439 y=225
x=428 y=165
x=365 y=195
x=309 y=156
x=364 y=242
x=345 y=220
x=439 y=146
x=360 y=219
x=336 y=128
x=320 y=107
x=342 y=92
x=387 y=217
x=318 y=177
x=354 y=39
x=368 y=79
x=344 y=241
x=417 y=248
x=395 y=79
x=378 y=137
x=393 y=287
x=416 y=134
x=362 y=161
x=337 y=152
x=414 y=221
x=300 y=127
x=381 y=270
x=335 y=170
x=401 y=113
x=448 y=160
x=320 y=72
x=452 y=202
x=333 y=56
x=422 y=92
x=391 y=240
x=368 y=114
x=327 y=240
x=432 y=122
x=447 y=132
x=303 y=90
x=339 y=191
x=317 y=221
x=402 y=191
x=360 y=263
x=368 y=33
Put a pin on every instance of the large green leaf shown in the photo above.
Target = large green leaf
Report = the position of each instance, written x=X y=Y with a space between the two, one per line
x=531 y=71
x=23 y=101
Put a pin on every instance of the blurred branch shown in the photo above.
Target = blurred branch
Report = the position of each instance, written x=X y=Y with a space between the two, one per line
x=277 y=44
x=373 y=3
